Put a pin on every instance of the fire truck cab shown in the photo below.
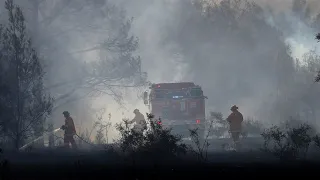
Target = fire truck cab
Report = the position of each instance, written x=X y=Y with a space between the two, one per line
x=180 y=106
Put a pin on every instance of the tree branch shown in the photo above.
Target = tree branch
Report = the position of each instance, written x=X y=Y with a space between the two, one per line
x=69 y=101
x=57 y=10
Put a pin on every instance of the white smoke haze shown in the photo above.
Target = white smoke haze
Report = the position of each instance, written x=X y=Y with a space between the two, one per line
x=152 y=17
x=177 y=44
x=164 y=62
x=302 y=40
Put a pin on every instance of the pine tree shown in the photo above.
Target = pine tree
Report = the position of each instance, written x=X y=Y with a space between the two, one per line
x=27 y=106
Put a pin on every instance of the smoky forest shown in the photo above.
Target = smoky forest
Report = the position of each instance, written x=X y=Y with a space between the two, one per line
x=162 y=84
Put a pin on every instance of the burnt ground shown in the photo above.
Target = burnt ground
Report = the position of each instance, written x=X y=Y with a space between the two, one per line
x=92 y=164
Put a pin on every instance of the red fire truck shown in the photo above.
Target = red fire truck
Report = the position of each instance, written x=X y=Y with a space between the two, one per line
x=180 y=106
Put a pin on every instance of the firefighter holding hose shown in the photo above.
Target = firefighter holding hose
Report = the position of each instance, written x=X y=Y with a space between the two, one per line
x=235 y=120
x=69 y=131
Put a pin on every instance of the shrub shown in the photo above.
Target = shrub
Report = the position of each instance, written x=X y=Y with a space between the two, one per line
x=291 y=123
x=84 y=139
x=219 y=125
x=316 y=140
x=102 y=128
x=201 y=147
x=157 y=142
x=287 y=143
x=250 y=126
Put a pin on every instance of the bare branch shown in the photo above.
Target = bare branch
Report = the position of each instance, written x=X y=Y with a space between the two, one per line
x=57 y=10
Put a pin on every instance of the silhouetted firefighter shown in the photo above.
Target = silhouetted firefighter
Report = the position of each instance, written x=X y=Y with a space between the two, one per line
x=69 y=131
x=140 y=121
x=235 y=120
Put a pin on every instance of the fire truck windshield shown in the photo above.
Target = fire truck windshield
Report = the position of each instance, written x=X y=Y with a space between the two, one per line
x=196 y=92
x=176 y=95
x=159 y=94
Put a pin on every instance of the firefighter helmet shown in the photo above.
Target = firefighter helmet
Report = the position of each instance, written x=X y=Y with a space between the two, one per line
x=234 y=107
x=136 y=111
x=66 y=113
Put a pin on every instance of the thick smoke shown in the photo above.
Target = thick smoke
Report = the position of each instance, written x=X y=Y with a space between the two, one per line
x=247 y=62
x=243 y=55
x=302 y=38
x=159 y=19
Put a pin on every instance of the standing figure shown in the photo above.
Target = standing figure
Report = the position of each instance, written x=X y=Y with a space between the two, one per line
x=69 y=131
x=140 y=121
x=235 y=120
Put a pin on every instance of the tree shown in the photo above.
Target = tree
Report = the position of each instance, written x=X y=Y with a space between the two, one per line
x=87 y=18
x=117 y=67
x=63 y=31
x=26 y=103
x=57 y=26
x=307 y=88
x=101 y=126
x=99 y=138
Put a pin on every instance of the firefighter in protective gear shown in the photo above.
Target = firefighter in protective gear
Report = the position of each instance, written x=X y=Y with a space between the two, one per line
x=140 y=122
x=235 y=120
x=69 y=130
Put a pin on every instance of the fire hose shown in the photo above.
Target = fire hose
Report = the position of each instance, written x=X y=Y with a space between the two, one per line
x=63 y=128
x=52 y=132
x=41 y=137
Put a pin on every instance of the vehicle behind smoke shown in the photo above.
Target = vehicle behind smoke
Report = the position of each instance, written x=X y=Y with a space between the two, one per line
x=180 y=106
